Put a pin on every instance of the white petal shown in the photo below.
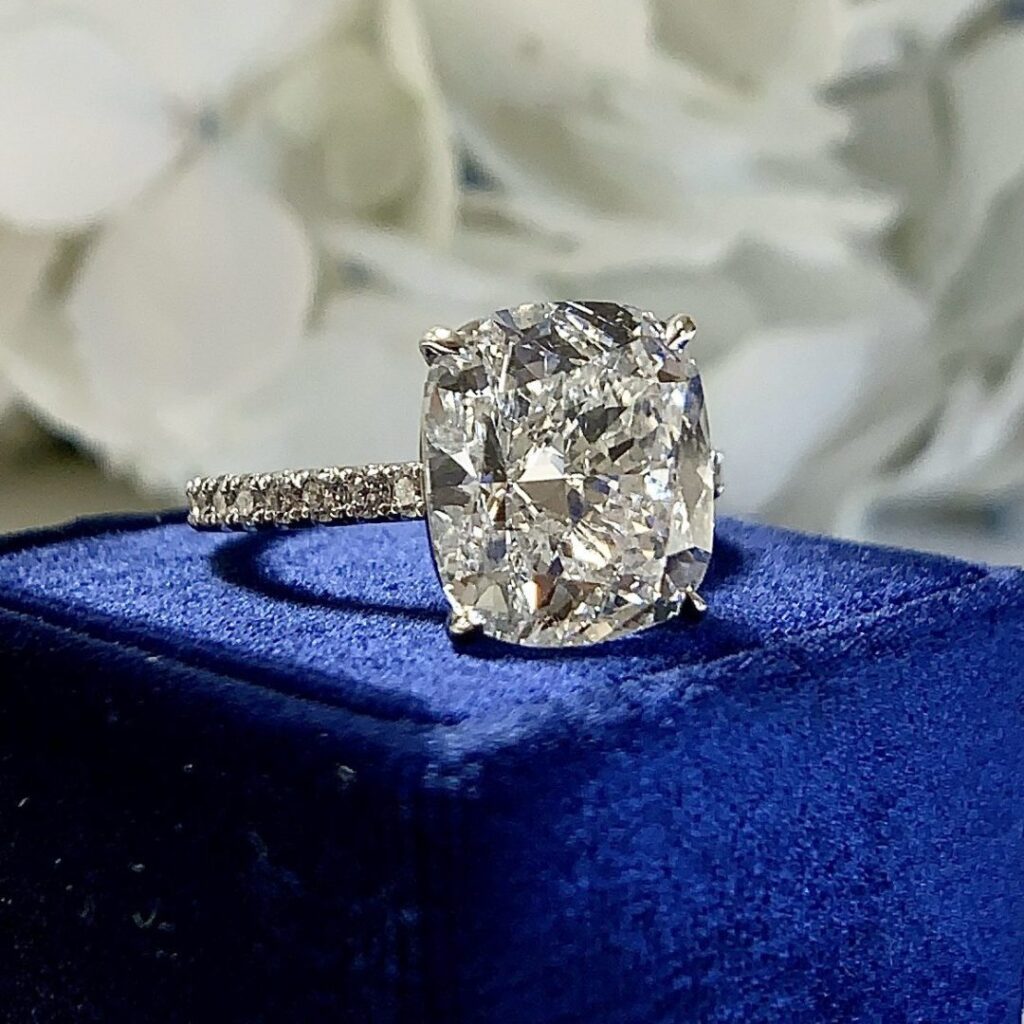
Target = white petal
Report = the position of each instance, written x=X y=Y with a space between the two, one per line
x=962 y=495
x=23 y=260
x=354 y=394
x=977 y=447
x=895 y=407
x=40 y=362
x=405 y=265
x=898 y=138
x=198 y=50
x=981 y=304
x=202 y=290
x=1000 y=430
x=357 y=129
x=350 y=132
x=988 y=95
x=748 y=42
x=81 y=129
x=976 y=228
x=372 y=145
x=882 y=36
x=155 y=440
x=777 y=399
x=436 y=202
x=652 y=152
x=535 y=52
x=832 y=481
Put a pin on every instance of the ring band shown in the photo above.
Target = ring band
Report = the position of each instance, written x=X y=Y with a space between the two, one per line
x=334 y=496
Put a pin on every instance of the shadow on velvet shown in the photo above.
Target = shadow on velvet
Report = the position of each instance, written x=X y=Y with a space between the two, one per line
x=243 y=562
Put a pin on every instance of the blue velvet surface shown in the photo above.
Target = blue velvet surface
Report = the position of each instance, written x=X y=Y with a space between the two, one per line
x=247 y=778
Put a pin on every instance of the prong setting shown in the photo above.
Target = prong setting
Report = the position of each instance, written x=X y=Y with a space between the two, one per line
x=716 y=465
x=679 y=331
x=461 y=626
x=437 y=342
x=695 y=605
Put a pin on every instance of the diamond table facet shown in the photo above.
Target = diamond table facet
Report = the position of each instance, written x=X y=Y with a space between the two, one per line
x=569 y=478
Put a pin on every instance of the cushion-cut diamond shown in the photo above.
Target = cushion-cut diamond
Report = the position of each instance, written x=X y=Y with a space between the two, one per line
x=568 y=473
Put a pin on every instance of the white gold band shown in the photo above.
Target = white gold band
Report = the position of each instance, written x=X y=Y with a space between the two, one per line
x=338 y=495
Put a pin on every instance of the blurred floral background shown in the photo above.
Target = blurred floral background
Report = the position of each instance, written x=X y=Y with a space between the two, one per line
x=225 y=223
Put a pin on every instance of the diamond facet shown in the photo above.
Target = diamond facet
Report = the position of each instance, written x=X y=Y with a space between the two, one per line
x=568 y=473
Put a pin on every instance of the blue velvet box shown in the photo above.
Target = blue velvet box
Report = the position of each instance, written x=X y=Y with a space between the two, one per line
x=247 y=778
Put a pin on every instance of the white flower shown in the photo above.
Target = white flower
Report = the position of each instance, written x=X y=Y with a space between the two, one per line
x=179 y=181
x=937 y=93
x=248 y=217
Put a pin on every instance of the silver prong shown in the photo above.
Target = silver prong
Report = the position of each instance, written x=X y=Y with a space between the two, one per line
x=436 y=342
x=716 y=464
x=679 y=331
x=695 y=604
x=460 y=626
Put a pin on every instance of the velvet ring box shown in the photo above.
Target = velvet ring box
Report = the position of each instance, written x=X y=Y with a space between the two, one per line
x=247 y=778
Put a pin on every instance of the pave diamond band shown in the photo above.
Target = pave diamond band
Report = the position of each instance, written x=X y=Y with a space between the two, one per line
x=567 y=477
x=336 y=496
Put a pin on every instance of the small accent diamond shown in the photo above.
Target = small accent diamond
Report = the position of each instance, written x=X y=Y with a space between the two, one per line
x=244 y=502
x=220 y=501
x=405 y=493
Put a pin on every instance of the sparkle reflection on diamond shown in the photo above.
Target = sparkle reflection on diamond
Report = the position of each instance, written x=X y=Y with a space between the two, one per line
x=568 y=473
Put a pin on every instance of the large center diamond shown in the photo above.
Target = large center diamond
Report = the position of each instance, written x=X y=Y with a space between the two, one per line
x=569 y=478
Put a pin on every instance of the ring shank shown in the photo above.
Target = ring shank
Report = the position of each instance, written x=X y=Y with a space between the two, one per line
x=336 y=496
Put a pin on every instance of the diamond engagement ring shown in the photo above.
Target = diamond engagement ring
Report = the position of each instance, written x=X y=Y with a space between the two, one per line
x=566 y=475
